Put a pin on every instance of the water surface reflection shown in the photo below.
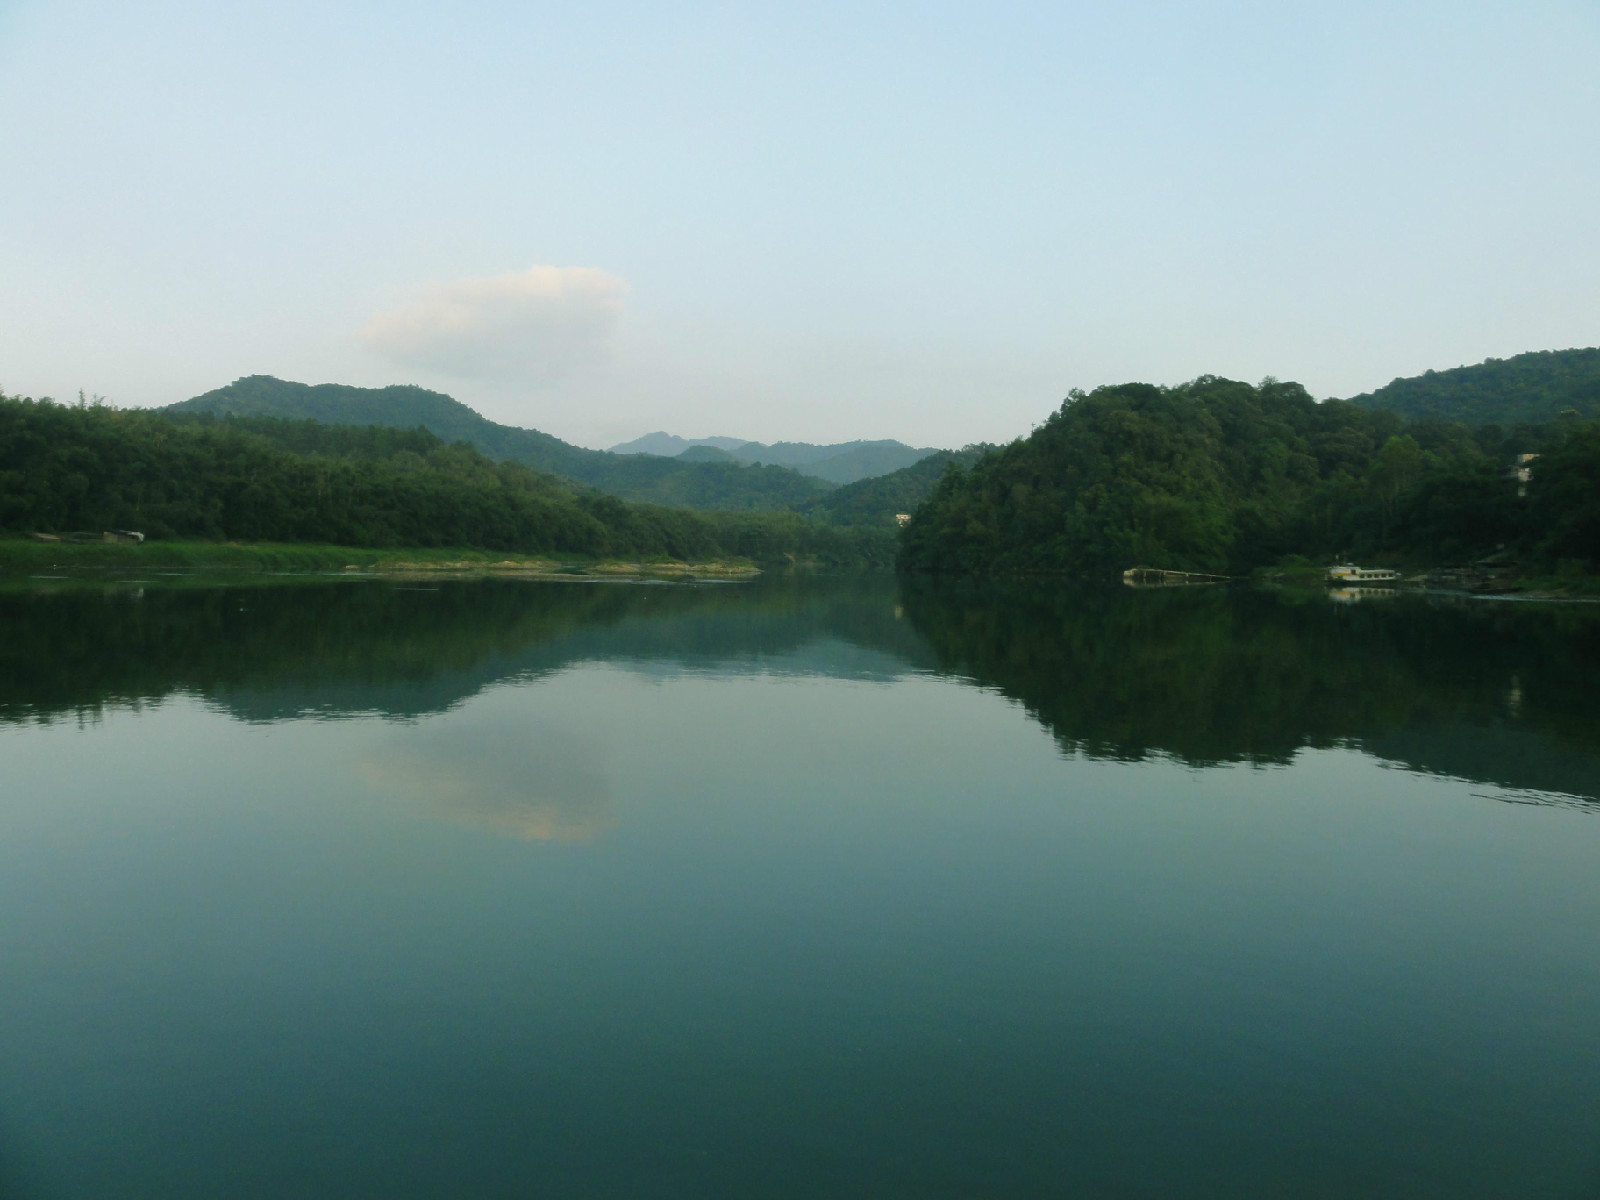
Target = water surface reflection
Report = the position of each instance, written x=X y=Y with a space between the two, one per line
x=811 y=887
x=1497 y=693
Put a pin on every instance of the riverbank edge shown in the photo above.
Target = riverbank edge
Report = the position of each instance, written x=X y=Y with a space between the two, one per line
x=21 y=556
x=1519 y=587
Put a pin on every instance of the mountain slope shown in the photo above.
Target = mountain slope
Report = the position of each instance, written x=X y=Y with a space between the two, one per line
x=1212 y=476
x=705 y=454
x=242 y=478
x=722 y=485
x=1523 y=390
x=845 y=462
x=840 y=462
x=879 y=500
x=1220 y=477
x=670 y=445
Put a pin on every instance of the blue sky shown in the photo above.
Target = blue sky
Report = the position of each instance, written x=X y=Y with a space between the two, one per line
x=812 y=222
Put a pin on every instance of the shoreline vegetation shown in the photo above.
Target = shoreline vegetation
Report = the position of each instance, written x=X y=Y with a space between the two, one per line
x=1213 y=478
x=260 y=481
x=22 y=556
x=25 y=559
x=1222 y=478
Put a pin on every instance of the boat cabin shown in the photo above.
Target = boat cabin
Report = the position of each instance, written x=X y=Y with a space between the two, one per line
x=1348 y=574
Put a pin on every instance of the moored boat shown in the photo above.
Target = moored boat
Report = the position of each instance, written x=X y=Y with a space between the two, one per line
x=1347 y=574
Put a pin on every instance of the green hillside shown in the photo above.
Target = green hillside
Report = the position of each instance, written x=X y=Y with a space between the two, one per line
x=1219 y=476
x=705 y=454
x=191 y=475
x=705 y=485
x=670 y=445
x=877 y=501
x=842 y=462
x=838 y=462
x=1527 y=389
x=877 y=479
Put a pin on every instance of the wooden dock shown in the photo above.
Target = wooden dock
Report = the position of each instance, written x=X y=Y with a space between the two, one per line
x=1160 y=577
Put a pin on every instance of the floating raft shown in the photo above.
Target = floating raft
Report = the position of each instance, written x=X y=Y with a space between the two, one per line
x=1157 y=577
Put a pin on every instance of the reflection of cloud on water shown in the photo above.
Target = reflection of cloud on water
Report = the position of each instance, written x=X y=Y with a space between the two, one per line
x=500 y=777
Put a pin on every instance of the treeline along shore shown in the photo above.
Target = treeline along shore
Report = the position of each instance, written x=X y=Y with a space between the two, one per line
x=1211 y=476
x=1223 y=477
x=90 y=467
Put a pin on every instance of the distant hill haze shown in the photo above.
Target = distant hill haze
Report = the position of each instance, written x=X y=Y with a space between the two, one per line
x=1526 y=389
x=647 y=479
x=841 y=462
x=706 y=454
x=882 y=499
x=670 y=445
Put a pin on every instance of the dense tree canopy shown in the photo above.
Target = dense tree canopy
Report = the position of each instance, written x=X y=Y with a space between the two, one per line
x=876 y=501
x=726 y=484
x=1220 y=476
x=1525 y=389
x=90 y=467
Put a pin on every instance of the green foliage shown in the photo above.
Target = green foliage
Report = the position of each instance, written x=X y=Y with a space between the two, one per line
x=793 y=537
x=1219 y=476
x=706 y=454
x=1128 y=475
x=1526 y=389
x=1564 y=502
x=839 y=462
x=842 y=463
x=707 y=485
x=727 y=486
x=273 y=479
x=25 y=557
x=875 y=502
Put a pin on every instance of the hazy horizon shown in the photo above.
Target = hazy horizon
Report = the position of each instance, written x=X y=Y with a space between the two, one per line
x=811 y=225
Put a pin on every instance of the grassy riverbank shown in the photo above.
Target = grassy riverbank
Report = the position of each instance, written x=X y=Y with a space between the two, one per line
x=21 y=556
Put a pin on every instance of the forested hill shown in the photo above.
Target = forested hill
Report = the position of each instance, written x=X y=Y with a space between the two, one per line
x=843 y=462
x=704 y=485
x=1524 y=390
x=399 y=407
x=838 y=462
x=1219 y=476
x=878 y=501
x=88 y=468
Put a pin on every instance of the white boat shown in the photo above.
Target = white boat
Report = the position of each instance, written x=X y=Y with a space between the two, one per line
x=1346 y=575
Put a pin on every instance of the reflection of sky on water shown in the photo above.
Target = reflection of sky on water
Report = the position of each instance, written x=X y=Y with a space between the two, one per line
x=496 y=776
x=821 y=926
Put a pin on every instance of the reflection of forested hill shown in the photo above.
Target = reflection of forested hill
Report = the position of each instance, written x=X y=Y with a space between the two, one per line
x=346 y=648
x=1498 y=693
x=1494 y=693
x=1498 y=754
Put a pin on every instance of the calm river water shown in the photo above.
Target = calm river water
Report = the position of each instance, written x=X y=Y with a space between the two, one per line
x=807 y=887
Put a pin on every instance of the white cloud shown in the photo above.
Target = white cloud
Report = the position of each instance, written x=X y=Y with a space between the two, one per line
x=533 y=326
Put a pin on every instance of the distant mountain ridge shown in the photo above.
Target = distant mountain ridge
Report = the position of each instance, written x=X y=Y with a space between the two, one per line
x=840 y=462
x=1526 y=389
x=881 y=499
x=670 y=445
x=641 y=478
